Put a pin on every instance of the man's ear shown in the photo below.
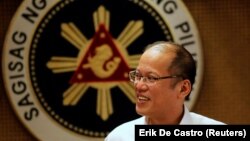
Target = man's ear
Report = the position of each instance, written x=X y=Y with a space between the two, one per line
x=185 y=88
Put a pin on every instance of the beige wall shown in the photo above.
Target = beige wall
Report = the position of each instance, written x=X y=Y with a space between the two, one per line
x=224 y=27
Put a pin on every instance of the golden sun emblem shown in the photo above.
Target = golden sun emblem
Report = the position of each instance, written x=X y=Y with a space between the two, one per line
x=102 y=62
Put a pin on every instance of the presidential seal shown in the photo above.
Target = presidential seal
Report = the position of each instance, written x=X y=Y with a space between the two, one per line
x=66 y=62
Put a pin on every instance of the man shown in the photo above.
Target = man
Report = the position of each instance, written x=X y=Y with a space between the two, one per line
x=162 y=80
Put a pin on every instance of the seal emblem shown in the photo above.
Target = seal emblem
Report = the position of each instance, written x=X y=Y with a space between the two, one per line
x=66 y=63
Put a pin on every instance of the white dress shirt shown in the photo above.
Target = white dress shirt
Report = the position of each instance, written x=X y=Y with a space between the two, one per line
x=126 y=131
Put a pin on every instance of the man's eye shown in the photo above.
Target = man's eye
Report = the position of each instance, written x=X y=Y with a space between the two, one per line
x=150 y=78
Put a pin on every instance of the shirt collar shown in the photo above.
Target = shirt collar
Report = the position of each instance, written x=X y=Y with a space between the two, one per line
x=186 y=119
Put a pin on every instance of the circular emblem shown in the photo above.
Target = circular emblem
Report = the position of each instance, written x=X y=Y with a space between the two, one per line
x=66 y=62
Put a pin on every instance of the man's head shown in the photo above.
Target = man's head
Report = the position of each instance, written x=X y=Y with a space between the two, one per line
x=182 y=63
x=175 y=67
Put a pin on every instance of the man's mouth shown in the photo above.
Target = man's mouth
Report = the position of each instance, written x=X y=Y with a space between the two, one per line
x=142 y=98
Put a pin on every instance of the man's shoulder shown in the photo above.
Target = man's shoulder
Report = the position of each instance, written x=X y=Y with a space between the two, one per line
x=130 y=124
x=201 y=119
x=125 y=130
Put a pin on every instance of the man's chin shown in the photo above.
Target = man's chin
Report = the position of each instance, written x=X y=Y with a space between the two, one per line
x=140 y=111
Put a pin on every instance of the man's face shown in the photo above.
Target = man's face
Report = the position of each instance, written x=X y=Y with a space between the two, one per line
x=159 y=98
